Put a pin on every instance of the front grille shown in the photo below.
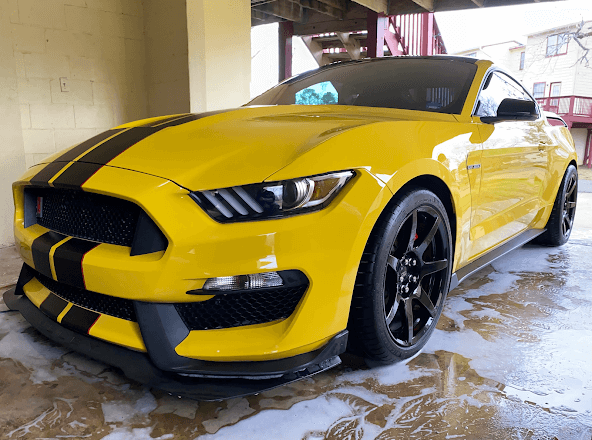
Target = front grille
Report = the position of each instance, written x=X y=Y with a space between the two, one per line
x=245 y=308
x=109 y=305
x=87 y=215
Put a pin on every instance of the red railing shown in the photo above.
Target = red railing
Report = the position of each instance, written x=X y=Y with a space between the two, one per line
x=417 y=34
x=580 y=106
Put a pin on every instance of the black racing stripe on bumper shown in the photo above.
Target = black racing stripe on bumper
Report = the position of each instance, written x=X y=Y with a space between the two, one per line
x=79 y=319
x=53 y=305
x=76 y=175
x=43 y=177
x=67 y=261
x=40 y=250
x=72 y=154
x=26 y=275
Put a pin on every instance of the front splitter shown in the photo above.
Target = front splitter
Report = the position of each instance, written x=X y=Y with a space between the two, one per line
x=138 y=366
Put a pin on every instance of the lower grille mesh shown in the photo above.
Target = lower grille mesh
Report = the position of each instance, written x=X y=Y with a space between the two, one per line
x=109 y=305
x=238 y=309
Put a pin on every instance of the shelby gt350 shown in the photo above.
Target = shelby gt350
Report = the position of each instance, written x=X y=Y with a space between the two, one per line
x=223 y=253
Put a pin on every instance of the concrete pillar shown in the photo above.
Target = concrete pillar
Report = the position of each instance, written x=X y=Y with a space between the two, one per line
x=285 y=34
x=219 y=48
x=167 y=69
x=12 y=151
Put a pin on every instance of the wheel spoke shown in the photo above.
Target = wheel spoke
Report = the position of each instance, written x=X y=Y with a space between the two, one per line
x=572 y=186
x=426 y=242
x=425 y=300
x=409 y=317
x=413 y=230
x=571 y=205
x=392 y=262
x=433 y=267
x=393 y=311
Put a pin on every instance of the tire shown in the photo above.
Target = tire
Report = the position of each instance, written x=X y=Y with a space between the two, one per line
x=400 y=277
x=560 y=223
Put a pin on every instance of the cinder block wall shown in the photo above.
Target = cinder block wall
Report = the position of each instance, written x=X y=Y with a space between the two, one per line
x=98 y=45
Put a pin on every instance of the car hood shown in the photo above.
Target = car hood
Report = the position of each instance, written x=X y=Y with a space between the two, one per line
x=241 y=146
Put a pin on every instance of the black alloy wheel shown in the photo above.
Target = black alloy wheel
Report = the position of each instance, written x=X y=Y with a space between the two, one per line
x=403 y=279
x=569 y=205
x=561 y=220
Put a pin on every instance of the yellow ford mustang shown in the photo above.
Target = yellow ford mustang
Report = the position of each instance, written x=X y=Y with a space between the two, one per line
x=220 y=254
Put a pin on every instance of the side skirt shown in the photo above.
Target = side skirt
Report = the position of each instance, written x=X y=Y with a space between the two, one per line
x=491 y=256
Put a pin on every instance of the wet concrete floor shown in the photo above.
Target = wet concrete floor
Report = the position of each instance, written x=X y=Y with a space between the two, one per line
x=511 y=359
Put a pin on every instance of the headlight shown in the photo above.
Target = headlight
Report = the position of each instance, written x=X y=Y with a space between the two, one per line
x=272 y=200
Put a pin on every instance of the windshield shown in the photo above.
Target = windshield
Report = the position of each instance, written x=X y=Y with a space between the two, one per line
x=434 y=85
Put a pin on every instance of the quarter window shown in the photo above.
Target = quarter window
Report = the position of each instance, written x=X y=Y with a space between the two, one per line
x=497 y=88
x=557 y=44
x=538 y=91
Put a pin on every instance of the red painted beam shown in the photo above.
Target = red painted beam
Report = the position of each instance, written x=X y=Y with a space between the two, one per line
x=377 y=23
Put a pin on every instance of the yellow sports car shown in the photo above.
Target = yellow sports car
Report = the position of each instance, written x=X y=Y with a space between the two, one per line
x=224 y=253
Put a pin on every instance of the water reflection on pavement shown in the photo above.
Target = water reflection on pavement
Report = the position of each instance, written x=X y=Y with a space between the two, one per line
x=511 y=359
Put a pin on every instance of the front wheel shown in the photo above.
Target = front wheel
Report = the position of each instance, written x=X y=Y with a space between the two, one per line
x=403 y=279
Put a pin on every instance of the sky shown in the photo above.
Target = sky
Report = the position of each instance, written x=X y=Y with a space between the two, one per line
x=460 y=30
x=471 y=28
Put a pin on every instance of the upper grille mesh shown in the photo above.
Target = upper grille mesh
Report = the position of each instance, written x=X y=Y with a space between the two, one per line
x=109 y=305
x=244 y=308
x=90 y=216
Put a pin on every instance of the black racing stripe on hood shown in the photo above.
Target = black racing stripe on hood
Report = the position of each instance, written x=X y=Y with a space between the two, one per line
x=76 y=175
x=43 y=177
x=109 y=145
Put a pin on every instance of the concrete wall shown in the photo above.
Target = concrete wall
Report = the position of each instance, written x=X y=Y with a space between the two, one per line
x=12 y=161
x=167 y=69
x=98 y=45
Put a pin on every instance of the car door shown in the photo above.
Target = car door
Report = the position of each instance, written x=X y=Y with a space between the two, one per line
x=513 y=164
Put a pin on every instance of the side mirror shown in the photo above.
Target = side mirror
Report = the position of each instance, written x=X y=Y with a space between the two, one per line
x=513 y=110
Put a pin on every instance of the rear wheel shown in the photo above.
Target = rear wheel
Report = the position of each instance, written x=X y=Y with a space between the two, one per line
x=560 y=222
x=403 y=279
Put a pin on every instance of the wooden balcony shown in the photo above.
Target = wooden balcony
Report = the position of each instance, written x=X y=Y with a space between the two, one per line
x=575 y=110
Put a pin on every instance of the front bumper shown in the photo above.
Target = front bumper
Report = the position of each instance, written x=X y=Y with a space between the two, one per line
x=326 y=246
x=202 y=380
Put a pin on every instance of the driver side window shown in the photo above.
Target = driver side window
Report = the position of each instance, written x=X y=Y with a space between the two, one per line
x=497 y=88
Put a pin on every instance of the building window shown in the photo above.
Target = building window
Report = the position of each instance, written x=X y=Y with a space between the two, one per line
x=538 y=90
x=522 y=57
x=555 y=90
x=557 y=45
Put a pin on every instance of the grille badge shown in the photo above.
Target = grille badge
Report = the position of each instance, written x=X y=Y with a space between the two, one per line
x=39 y=210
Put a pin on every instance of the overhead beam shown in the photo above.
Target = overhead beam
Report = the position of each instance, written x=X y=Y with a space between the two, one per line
x=339 y=4
x=400 y=7
x=282 y=8
x=316 y=50
x=323 y=8
x=350 y=44
x=380 y=6
x=428 y=5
